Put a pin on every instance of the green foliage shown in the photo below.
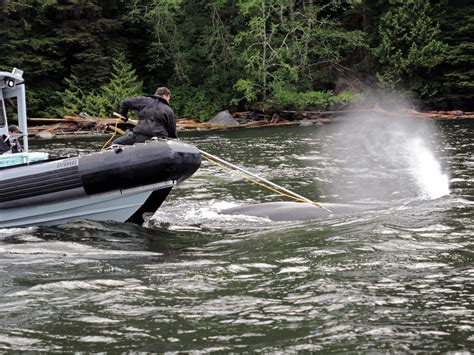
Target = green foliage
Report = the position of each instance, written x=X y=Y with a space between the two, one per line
x=454 y=78
x=247 y=88
x=72 y=98
x=287 y=98
x=52 y=40
x=409 y=46
x=200 y=103
x=193 y=55
x=284 y=42
x=236 y=54
x=123 y=83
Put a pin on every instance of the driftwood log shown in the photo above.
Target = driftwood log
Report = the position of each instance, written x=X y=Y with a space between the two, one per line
x=75 y=125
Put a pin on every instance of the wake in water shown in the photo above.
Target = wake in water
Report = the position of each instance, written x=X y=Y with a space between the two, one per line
x=384 y=156
x=205 y=215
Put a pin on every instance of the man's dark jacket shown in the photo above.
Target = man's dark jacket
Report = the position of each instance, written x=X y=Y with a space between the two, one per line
x=155 y=116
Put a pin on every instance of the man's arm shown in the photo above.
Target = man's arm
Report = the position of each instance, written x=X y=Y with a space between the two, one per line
x=131 y=103
x=171 y=125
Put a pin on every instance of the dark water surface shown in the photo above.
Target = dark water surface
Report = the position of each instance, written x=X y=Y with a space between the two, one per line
x=397 y=278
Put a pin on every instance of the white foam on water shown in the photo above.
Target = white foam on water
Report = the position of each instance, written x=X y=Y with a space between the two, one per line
x=202 y=214
x=426 y=170
x=8 y=232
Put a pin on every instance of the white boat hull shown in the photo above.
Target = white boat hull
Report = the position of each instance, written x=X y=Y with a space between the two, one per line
x=116 y=205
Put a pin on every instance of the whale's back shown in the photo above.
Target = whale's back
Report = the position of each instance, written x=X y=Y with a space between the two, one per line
x=295 y=211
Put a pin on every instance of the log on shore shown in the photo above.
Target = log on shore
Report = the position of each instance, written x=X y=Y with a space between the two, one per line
x=288 y=115
x=82 y=121
x=75 y=125
x=441 y=115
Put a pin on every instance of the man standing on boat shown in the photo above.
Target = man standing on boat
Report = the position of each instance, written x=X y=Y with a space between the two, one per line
x=155 y=117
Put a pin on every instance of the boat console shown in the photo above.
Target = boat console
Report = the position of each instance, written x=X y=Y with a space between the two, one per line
x=12 y=88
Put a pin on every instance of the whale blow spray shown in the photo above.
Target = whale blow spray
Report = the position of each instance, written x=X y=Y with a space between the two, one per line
x=426 y=170
x=385 y=156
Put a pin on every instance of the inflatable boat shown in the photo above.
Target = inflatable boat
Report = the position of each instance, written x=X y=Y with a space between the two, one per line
x=122 y=184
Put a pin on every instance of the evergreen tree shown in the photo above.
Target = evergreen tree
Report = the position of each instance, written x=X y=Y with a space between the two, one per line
x=52 y=40
x=102 y=102
x=124 y=83
x=28 y=43
x=72 y=98
x=454 y=78
x=409 y=47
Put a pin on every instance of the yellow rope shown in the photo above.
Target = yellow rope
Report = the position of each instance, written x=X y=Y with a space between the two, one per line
x=113 y=135
x=261 y=184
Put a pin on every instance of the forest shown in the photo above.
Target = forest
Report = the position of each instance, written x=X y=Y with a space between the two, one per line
x=87 y=55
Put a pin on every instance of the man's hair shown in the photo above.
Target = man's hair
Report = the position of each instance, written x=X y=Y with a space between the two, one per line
x=163 y=91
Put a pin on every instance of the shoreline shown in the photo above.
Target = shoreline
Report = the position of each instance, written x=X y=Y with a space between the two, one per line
x=72 y=126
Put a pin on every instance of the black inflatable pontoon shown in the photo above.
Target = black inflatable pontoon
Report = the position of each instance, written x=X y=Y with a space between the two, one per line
x=119 y=184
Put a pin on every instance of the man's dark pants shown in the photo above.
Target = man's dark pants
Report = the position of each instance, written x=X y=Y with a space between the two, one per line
x=131 y=138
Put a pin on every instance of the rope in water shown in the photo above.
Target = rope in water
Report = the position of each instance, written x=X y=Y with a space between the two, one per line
x=262 y=184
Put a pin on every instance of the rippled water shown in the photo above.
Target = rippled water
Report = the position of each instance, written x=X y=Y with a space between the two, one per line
x=398 y=278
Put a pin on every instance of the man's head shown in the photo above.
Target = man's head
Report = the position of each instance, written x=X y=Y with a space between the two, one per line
x=163 y=92
x=13 y=130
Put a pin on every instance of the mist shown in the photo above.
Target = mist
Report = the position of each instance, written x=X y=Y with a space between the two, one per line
x=384 y=156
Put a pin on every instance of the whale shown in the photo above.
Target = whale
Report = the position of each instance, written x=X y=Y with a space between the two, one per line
x=296 y=211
